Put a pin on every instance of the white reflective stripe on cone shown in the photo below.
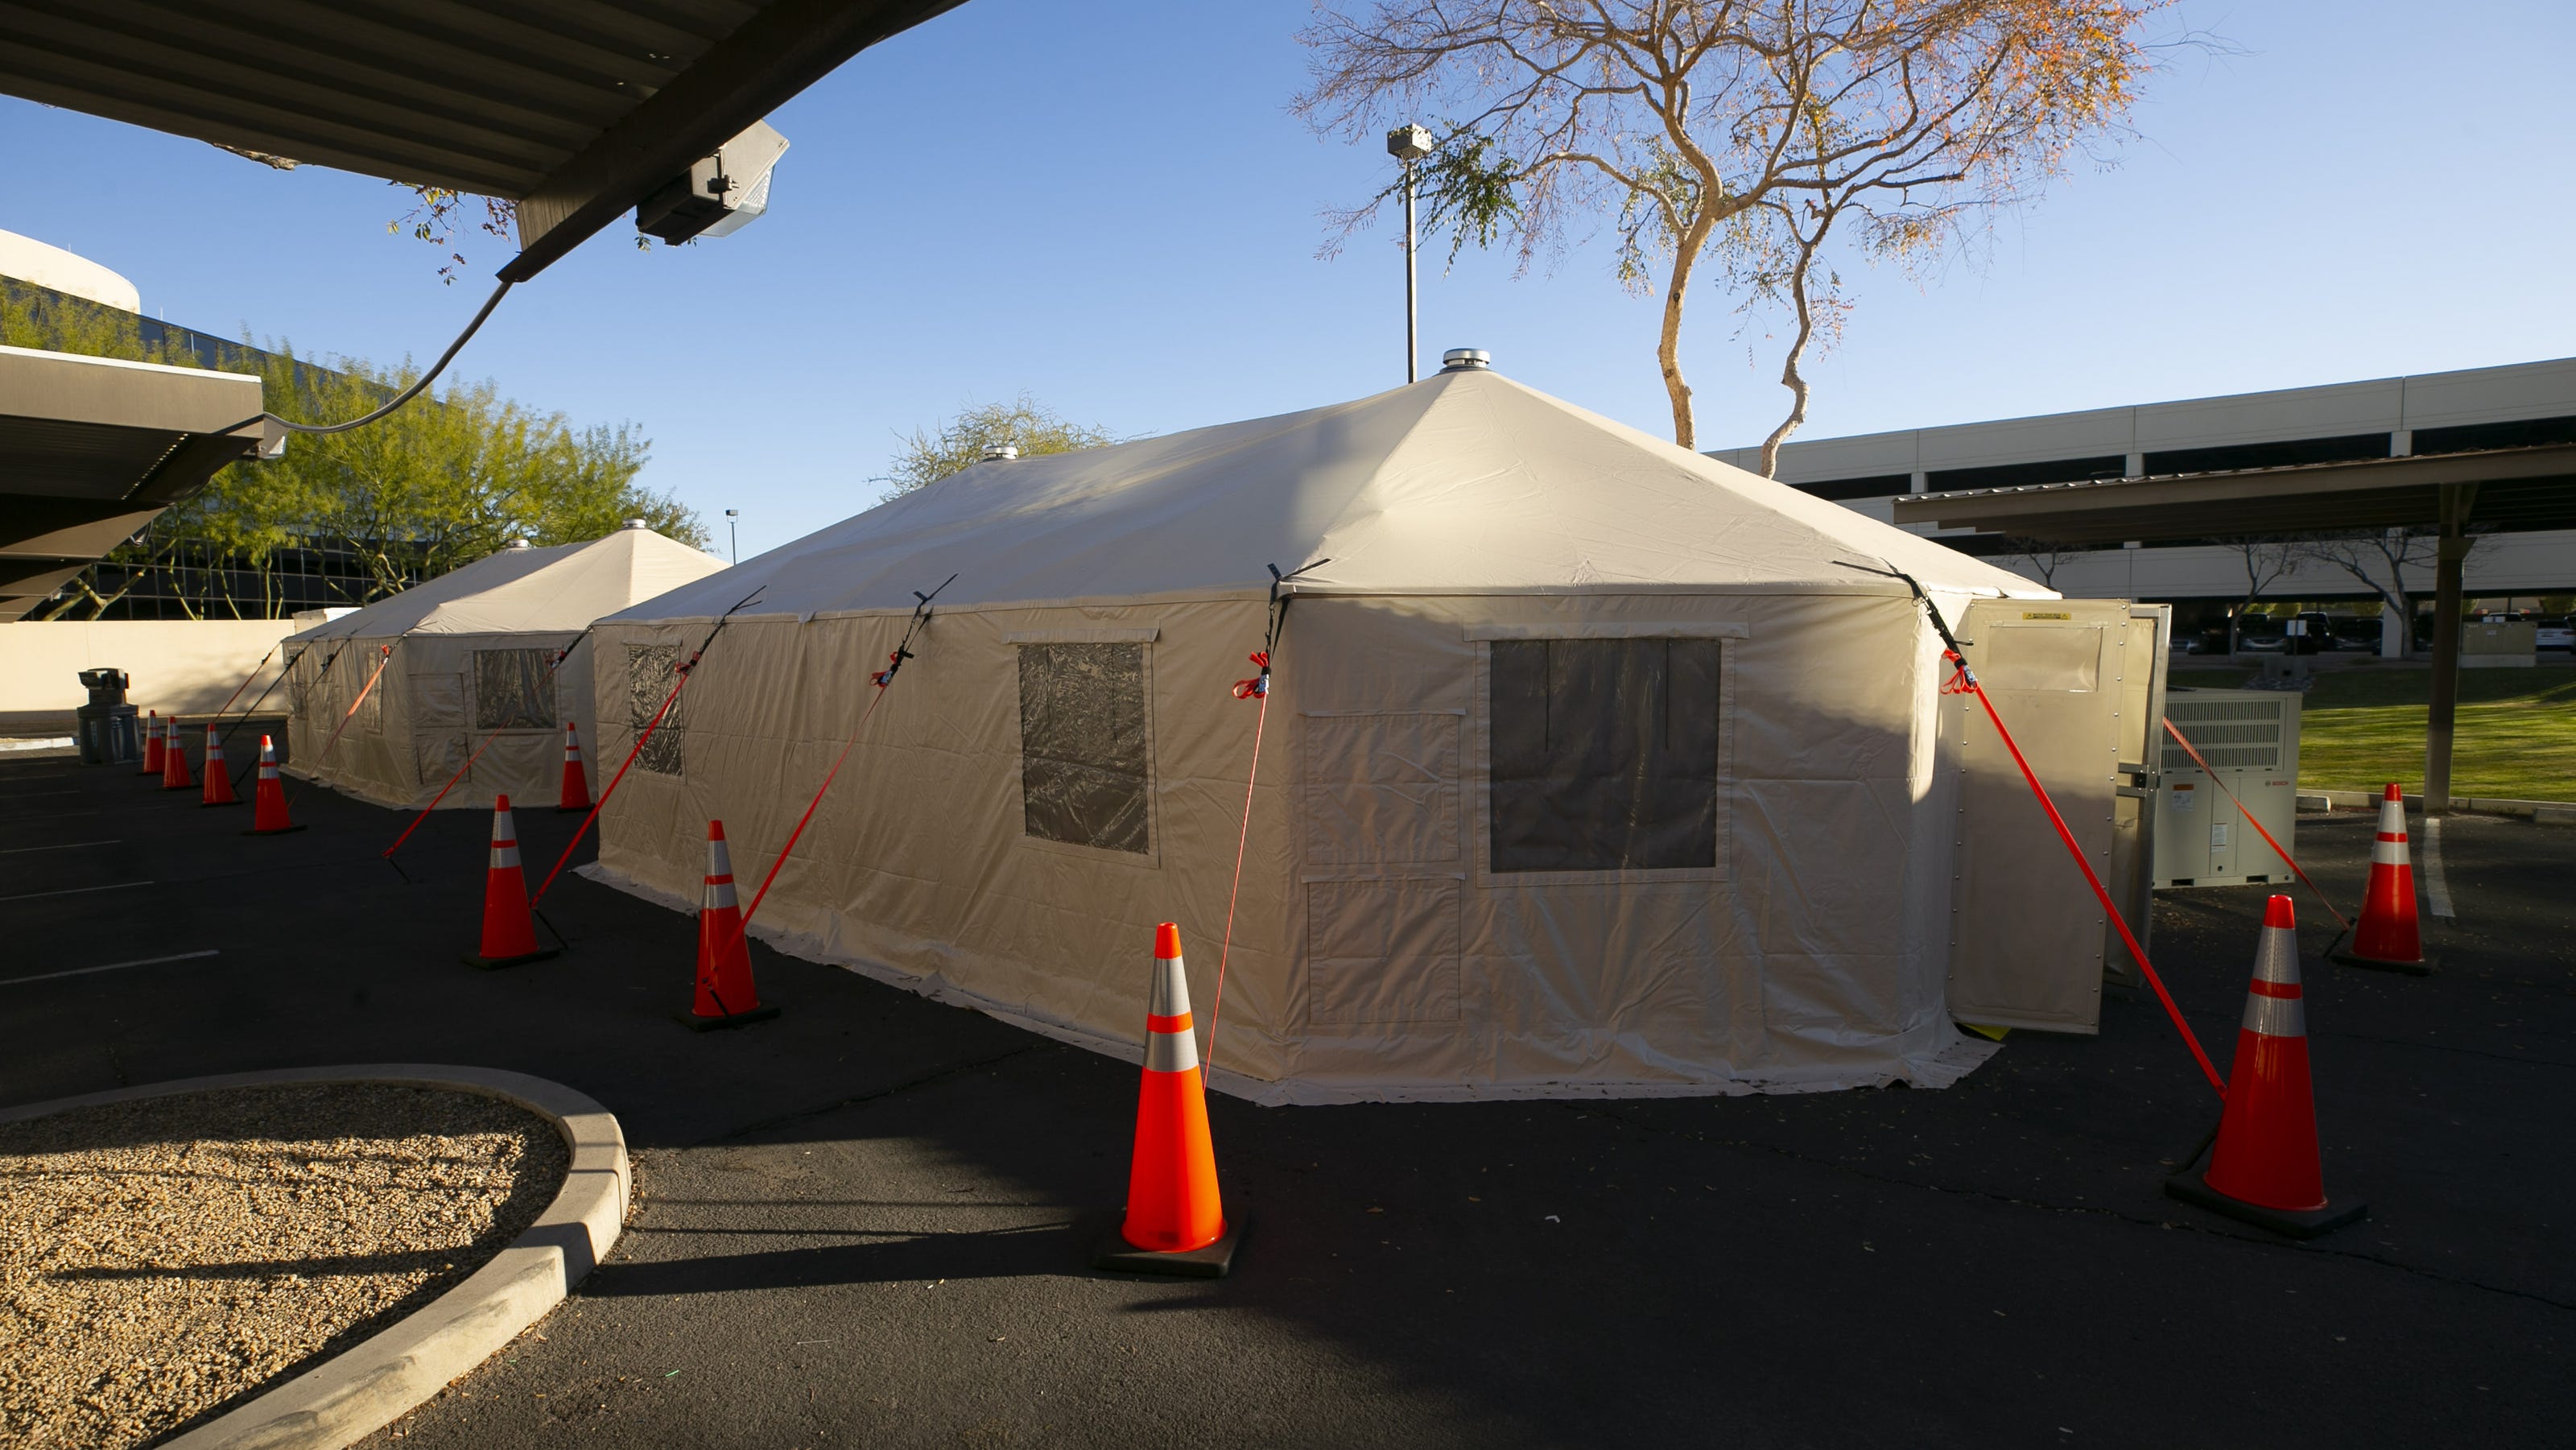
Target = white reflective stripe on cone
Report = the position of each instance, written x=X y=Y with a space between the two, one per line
x=2276 y=957
x=1172 y=1051
x=2385 y=852
x=719 y=875
x=1170 y=996
x=2392 y=819
x=505 y=853
x=2276 y=1016
x=720 y=895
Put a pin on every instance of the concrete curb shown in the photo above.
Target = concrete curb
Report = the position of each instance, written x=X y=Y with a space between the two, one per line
x=2546 y=813
x=367 y=1387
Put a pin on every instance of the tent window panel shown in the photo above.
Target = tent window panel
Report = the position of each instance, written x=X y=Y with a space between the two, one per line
x=650 y=673
x=1084 y=771
x=513 y=690
x=370 y=705
x=1603 y=754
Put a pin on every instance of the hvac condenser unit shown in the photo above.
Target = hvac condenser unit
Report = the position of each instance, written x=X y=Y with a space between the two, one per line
x=2250 y=738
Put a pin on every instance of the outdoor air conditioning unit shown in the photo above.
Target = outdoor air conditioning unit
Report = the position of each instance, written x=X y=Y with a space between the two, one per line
x=718 y=195
x=2251 y=740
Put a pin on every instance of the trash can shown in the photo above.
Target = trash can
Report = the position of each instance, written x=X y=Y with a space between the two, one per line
x=106 y=724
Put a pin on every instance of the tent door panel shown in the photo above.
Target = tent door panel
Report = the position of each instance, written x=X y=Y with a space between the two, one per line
x=2026 y=934
x=438 y=756
x=1381 y=788
x=437 y=701
x=1381 y=952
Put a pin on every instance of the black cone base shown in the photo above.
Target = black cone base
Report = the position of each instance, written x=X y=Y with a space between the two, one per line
x=2191 y=1185
x=570 y=810
x=2423 y=967
x=696 y=1023
x=280 y=831
x=494 y=964
x=1214 y=1261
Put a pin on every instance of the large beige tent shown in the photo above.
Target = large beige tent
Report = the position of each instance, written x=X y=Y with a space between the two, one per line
x=1592 y=765
x=472 y=666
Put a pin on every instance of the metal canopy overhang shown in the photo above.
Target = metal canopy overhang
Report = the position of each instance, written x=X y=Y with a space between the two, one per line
x=2519 y=489
x=91 y=449
x=575 y=109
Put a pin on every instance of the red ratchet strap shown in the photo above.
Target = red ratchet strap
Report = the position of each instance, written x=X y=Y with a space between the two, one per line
x=921 y=614
x=1256 y=688
x=386 y=657
x=1964 y=682
x=631 y=752
x=880 y=679
x=245 y=684
x=2322 y=899
x=684 y=672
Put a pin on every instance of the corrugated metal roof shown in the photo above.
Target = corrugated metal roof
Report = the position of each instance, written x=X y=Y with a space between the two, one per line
x=574 y=108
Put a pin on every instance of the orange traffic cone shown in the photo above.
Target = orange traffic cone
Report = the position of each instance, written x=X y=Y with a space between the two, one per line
x=268 y=798
x=576 y=781
x=509 y=935
x=152 y=752
x=1175 y=1222
x=2265 y=1168
x=2387 y=937
x=219 y=776
x=725 y=996
x=174 y=761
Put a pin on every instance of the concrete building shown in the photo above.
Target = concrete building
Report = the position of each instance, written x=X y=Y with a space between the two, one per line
x=2519 y=405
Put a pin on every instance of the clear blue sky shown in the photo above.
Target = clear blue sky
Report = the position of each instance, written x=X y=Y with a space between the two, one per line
x=1109 y=207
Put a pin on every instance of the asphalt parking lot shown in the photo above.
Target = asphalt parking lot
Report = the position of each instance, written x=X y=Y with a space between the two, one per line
x=869 y=1221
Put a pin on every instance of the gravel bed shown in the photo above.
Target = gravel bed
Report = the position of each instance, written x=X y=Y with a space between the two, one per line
x=163 y=1257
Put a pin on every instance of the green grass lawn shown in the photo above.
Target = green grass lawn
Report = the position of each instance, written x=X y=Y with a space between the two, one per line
x=2362 y=728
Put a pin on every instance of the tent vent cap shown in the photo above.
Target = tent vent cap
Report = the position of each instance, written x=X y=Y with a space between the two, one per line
x=1001 y=453
x=636 y=524
x=517 y=544
x=1466 y=360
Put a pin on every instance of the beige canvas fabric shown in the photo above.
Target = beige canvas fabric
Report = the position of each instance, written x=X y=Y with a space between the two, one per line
x=1391 y=940
x=469 y=668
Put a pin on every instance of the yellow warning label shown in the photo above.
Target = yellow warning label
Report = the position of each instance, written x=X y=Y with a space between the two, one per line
x=2044 y=614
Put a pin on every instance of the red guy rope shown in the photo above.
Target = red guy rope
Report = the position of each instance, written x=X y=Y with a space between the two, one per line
x=810 y=806
x=631 y=752
x=386 y=658
x=2322 y=899
x=1257 y=687
x=1965 y=682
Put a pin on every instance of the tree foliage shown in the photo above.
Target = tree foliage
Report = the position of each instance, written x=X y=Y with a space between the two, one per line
x=439 y=483
x=1737 y=135
x=928 y=455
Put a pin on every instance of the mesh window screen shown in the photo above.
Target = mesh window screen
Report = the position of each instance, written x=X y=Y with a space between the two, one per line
x=1604 y=754
x=1083 y=767
x=649 y=677
x=513 y=690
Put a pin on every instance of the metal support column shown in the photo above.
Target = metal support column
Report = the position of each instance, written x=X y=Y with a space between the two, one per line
x=2457 y=500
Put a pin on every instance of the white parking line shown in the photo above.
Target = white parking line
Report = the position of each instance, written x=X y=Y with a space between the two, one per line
x=61 y=846
x=77 y=890
x=110 y=967
x=2437 y=892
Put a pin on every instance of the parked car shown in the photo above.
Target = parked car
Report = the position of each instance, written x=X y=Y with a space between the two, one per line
x=2557 y=632
x=2356 y=633
x=2260 y=634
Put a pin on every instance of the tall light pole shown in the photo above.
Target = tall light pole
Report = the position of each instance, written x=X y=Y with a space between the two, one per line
x=1410 y=144
x=733 y=533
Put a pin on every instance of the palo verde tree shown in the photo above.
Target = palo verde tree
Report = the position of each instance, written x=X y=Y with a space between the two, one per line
x=931 y=454
x=1737 y=137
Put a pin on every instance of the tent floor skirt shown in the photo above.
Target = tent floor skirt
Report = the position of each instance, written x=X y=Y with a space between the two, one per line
x=2191 y=1185
x=1212 y=1261
x=696 y=1023
x=494 y=964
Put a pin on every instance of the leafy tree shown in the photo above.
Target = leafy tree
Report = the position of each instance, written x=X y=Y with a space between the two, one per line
x=1732 y=134
x=958 y=443
x=439 y=483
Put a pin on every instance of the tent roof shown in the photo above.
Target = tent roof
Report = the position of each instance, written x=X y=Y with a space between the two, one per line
x=1464 y=483
x=524 y=591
